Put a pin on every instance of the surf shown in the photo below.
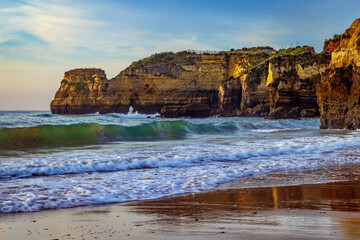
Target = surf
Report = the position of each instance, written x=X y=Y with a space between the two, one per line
x=82 y=134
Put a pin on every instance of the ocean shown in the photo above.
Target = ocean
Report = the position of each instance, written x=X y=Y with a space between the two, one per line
x=59 y=161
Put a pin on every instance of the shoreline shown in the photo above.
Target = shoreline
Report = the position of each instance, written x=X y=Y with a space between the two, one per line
x=280 y=209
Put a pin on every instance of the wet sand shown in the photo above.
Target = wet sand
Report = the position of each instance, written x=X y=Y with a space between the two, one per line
x=272 y=206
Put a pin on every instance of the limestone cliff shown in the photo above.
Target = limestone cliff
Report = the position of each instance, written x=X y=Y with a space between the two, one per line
x=171 y=83
x=244 y=82
x=255 y=94
x=331 y=44
x=339 y=90
x=283 y=86
x=168 y=79
x=233 y=90
x=292 y=84
x=80 y=91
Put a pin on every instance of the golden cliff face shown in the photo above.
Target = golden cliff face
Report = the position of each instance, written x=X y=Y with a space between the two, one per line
x=148 y=86
x=244 y=82
x=291 y=82
x=283 y=86
x=331 y=45
x=79 y=91
x=348 y=51
x=255 y=95
x=339 y=90
x=149 y=89
x=232 y=89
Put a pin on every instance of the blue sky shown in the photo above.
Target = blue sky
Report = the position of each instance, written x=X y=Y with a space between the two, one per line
x=41 y=39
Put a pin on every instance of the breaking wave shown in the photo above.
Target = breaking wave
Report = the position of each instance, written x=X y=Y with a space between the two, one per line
x=94 y=133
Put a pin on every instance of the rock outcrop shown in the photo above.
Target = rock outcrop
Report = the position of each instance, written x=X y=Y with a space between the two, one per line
x=283 y=86
x=233 y=90
x=339 y=90
x=292 y=82
x=245 y=82
x=80 y=91
x=330 y=45
x=168 y=80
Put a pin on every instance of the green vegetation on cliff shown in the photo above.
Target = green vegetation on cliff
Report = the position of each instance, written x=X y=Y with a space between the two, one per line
x=253 y=55
x=64 y=81
x=190 y=57
x=297 y=51
x=167 y=58
x=257 y=73
x=254 y=52
x=77 y=85
x=336 y=37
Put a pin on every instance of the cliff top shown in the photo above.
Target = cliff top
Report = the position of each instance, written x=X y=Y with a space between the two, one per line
x=336 y=37
x=253 y=50
x=95 y=70
x=168 y=58
x=347 y=52
x=191 y=56
x=170 y=63
x=298 y=51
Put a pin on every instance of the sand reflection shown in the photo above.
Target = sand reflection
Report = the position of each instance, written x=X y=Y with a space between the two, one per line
x=270 y=208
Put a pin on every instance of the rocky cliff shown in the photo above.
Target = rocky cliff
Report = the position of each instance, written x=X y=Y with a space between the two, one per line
x=171 y=81
x=331 y=44
x=339 y=90
x=245 y=82
x=292 y=81
x=80 y=91
x=283 y=86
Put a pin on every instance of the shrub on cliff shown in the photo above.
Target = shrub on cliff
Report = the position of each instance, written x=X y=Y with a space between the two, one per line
x=336 y=37
x=253 y=55
x=77 y=85
x=167 y=58
x=254 y=49
x=256 y=74
x=296 y=51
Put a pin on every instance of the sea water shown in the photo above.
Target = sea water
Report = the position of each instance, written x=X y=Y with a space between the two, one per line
x=56 y=161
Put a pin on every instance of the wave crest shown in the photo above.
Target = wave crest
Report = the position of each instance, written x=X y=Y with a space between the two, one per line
x=94 y=133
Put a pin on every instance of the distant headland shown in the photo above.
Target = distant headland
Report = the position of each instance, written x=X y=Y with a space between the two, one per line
x=250 y=82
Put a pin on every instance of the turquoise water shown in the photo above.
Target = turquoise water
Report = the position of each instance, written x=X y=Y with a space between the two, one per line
x=55 y=161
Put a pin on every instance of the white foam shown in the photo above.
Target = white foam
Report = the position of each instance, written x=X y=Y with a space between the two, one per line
x=160 y=170
x=276 y=130
x=175 y=156
x=135 y=115
x=84 y=189
x=131 y=114
x=128 y=171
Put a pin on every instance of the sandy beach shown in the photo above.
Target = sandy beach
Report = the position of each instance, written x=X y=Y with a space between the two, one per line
x=280 y=209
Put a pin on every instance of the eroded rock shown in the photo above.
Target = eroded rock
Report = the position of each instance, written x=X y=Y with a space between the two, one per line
x=339 y=90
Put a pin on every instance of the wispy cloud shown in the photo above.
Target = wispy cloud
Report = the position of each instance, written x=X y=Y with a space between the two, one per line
x=261 y=33
x=65 y=28
x=40 y=39
x=81 y=32
x=51 y=21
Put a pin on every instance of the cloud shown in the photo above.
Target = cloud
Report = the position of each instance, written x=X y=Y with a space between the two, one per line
x=67 y=31
x=22 y=38
x=261 y=33
x=48 y=20
x=178 y=44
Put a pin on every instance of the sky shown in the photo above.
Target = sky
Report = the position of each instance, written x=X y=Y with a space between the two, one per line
x=41 y=39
